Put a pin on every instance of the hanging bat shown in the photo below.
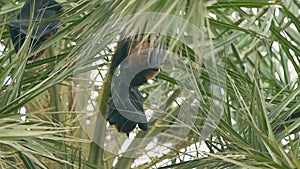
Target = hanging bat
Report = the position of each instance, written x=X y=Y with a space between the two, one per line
x=139 y=62
x=42 y=24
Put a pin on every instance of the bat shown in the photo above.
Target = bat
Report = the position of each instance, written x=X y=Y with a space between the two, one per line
x=42 y=24
x=138 y=58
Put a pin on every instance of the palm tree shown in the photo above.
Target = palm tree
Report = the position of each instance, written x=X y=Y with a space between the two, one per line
x=227 y=96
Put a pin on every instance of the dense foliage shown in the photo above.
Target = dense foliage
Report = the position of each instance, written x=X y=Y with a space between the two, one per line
x=255 y=63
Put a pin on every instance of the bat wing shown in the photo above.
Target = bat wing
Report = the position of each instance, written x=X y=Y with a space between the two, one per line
x=138 y=101
x=128 y=112
x=21 y=26
x=39 y=7
x=120 y=54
